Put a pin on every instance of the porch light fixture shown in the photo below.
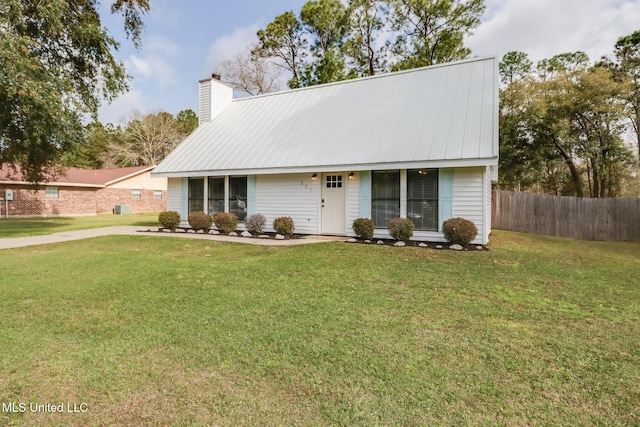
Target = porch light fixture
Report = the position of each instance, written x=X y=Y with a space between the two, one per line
x=351 y=175
x=314 y=177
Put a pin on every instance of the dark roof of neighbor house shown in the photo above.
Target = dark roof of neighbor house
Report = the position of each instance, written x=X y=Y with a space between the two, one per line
x=76 y=177
x=440 y=116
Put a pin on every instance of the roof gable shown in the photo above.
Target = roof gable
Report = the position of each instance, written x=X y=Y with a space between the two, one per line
x=441 y=113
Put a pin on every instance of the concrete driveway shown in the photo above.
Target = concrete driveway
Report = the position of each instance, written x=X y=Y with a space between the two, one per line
x=66 y=236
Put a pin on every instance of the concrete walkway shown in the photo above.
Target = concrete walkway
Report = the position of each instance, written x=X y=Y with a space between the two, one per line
x=66 y=236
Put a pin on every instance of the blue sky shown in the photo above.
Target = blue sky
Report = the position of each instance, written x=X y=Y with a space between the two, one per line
x=184 y=41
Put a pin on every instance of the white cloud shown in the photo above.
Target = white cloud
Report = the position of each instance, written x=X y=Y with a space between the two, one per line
x=121 y=109
x=153 y=67
x=156 y=65
x=161 y=45
x=229 y=45
x=138 y=66
x=544 y=28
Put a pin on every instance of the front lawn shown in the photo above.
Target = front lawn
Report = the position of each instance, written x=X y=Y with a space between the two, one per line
x=24 y=227
x=149 y=330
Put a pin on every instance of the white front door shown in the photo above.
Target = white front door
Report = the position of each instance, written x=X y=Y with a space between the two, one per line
x=333 y=203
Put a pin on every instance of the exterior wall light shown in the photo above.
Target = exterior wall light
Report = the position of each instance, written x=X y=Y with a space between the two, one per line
x=351 y=176
x=314 y=177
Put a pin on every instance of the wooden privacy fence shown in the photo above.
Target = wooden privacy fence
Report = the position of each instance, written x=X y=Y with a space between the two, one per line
x=578 y=218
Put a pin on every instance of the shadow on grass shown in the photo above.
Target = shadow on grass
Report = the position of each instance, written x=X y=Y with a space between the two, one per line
x=144 y=223
x=10 y=226
x=23 y=227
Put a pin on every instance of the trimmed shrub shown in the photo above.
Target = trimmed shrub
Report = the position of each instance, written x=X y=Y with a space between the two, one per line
x=226 y=222
x=363 y=228
x=284 y=225
x=400 y=228
x=255 y=223
x=169 y=219
x=199 y=220
x=459 y=231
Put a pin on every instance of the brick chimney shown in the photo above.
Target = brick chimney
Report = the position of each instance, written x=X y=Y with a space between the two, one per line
x=214 y=97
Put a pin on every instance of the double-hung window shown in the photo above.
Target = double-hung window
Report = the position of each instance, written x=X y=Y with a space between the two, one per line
x=238 y=196
x=216 y=195
x=196 y=194
x=422 y=198
x=385 y=196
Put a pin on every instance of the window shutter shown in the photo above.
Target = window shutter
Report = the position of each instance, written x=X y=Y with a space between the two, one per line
x=184 y=200
x=365 y=194
x=251 y=194
x=446 y=196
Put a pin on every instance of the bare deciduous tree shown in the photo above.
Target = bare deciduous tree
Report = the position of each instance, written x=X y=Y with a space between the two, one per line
x=147 y=140
x=251 y=74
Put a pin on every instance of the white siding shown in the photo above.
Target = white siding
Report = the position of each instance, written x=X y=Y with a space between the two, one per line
x=142 y=181
x=353 y=202
x=204 y=102
x=213 y=97
x=294 y=195
x=221 y=97
x=487 y=208
x=469 y=199
x=174 y=198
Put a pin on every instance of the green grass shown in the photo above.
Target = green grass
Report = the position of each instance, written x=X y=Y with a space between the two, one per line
x=24 y=227
x=160 y=331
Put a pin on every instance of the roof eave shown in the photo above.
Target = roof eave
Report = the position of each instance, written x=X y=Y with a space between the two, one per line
x=490 y=161
x=51 y=184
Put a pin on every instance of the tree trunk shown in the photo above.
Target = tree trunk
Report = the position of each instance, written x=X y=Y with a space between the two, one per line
x=596 y=180
x=575 y=176
x=589 y=167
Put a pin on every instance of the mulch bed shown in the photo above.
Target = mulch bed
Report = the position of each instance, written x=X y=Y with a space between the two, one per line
x=183 y=230
x=429 y=245
x=386 y=242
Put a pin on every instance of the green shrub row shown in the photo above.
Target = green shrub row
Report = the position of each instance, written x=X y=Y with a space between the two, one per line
x=200 y=220
x=456 y=230
x=400 y=228
x=459 y=231
x=284 y=225
x=169 y=219
x=364 y=228
x=256 y=223
x=226 y=222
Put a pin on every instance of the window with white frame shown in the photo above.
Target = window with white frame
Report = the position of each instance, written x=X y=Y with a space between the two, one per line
x=385 y=196
x=196 y=194
x=238 y=196
x=157 y=194
x=422 y=198
x=51 y=192
x=136 y=194
x=216 y=195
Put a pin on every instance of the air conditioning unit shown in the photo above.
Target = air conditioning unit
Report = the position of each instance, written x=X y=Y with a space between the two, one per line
x=122 y=210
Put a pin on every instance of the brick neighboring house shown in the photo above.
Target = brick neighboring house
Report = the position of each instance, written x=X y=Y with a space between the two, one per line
x=84 y=192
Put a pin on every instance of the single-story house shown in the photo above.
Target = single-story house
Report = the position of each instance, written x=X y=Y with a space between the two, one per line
x=420 y=144
x=83 y=192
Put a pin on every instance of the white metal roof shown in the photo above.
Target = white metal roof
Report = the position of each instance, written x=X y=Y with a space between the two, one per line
x=443 y=115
